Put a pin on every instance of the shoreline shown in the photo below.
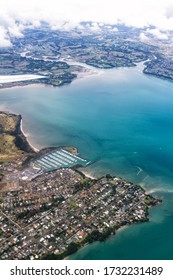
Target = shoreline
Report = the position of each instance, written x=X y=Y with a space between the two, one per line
x=88 y=175
x=30 y=82
x=26 y=137
x=87 y=74
x=87 y=244
x=122 y=228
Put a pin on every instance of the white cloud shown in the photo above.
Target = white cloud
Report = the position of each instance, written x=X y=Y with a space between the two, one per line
x=64 y=25
x=143 y=37
x=158 y=34
x=169 y=11
x=94 y=27
x=4 y=39
x=16 y=30
x=67 y=13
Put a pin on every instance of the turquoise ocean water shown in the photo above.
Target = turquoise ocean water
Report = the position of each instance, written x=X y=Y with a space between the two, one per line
x=123 y=121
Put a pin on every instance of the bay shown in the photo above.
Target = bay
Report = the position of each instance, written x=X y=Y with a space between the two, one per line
x=122 y=120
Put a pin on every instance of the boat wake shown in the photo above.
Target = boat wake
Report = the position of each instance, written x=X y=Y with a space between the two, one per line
x=140 y=170
x=160 y=190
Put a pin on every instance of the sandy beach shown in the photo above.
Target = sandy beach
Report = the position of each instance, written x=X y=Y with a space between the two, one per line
x=88 y=175
x=26 y=136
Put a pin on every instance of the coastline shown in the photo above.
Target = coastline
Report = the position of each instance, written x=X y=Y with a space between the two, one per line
x=88 y=175
x=88 y=72
x=26 y=137
x=121 y=228
x=33 y=85
x=23 y=80
x=31 y=80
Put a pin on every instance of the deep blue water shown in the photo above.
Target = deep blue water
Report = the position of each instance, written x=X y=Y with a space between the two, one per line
x=123 y=120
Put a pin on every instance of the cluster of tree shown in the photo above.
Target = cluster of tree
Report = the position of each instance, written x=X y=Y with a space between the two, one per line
x=98 y=236
x=1 y=176
x=71 y=249
x=29 y=213
x=84 y=184
x=57 y=200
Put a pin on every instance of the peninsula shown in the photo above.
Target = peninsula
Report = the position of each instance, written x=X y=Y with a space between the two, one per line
x=48 y=208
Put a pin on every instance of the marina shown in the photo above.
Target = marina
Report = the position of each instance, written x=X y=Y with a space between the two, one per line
x=53 y=160
x=59 y=159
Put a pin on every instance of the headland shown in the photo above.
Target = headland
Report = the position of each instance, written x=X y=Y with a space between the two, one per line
x=49 y=209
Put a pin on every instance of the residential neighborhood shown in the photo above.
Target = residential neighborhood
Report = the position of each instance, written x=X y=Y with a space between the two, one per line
x=58 y=209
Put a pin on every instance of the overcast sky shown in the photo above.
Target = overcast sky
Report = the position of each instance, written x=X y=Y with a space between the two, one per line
x=137 y=13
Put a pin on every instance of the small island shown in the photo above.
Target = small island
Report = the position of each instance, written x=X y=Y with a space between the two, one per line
x=48 y=208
